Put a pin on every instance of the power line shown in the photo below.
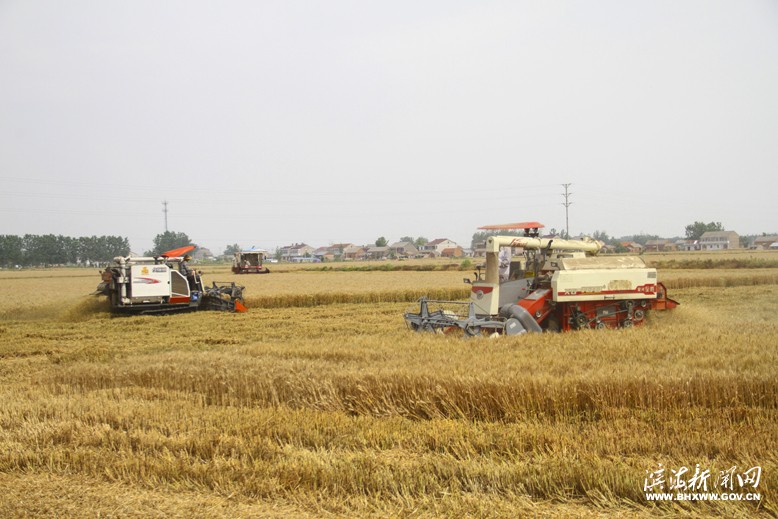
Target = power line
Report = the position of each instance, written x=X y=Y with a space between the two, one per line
x=292 y=191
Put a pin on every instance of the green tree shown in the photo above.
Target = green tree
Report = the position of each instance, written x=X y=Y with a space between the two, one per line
x=601 y=236
x=169 y=240
x=644 y=238
x=111 y=246
x=381 y=242
x=695 y=230
x=42 y=250
x=11 y=250
x=420 y=241
x=232 y=249
x=48 y=249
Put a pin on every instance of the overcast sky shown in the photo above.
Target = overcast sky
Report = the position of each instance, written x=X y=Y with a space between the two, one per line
x=267 y=123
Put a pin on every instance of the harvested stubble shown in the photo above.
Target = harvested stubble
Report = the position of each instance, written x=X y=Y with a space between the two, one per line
x=339 y=409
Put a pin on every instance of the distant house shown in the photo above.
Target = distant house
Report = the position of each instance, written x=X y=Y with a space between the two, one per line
x=453 y=252
x=323 y=254
x=201 y=253
x=719 y=240
x=765 y=242
x=479 y=250
x=436 y=247
x=354 y=252
x=377 y=253
x=338 y=249
x=659 y=246
x=296 y=252
x=633 y=247
x=687 y=245
x=403 y=249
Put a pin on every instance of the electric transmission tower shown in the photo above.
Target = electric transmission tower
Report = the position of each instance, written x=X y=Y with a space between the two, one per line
x=567 y=204
x=165 y=211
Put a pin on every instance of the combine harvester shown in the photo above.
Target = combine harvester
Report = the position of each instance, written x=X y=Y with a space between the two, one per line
x=250 y=261
x=160 y=285
x=554 y=285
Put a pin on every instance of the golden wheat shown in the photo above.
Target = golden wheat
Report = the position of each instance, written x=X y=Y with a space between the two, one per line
x=339 y=409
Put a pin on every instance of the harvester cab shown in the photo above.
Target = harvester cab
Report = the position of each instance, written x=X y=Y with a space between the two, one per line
x=164 y=284
x=533 y=284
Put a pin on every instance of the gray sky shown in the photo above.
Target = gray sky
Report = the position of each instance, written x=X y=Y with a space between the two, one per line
x=267 y=123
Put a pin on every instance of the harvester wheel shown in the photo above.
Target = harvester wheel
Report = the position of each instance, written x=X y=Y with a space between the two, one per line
x=552 y=324
x=581 y=321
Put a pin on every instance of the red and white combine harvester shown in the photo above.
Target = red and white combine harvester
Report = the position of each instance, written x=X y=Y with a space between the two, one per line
x=164 y=284
x=549 y=284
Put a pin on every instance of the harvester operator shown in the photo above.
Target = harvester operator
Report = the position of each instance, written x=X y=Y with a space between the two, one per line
x=187 y=272
x=504 y=259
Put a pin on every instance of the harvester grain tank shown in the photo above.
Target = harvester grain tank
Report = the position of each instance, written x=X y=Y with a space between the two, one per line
x=553 y=285
x=163 y=284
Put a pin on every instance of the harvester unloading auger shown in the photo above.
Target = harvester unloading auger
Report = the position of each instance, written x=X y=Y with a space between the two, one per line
x=157 y=285
x=554 y=285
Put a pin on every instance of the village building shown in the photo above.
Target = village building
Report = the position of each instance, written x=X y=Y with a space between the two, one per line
x=766 y=242
x=377 y=253
x=338 y=249
x=323 y=254
x=403 y=249
x=687 y=245
x=452 y=252
x=435 y=248
x=354 y=253
x=202 y=253
x=632 y=247
x=719 y=240
x=296 y=253
x=659 y=246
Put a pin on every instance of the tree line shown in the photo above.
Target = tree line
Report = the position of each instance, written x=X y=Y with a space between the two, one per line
x=49 y=249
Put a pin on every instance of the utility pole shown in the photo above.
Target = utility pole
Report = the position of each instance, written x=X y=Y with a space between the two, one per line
x=567 y=204
x=165 y=211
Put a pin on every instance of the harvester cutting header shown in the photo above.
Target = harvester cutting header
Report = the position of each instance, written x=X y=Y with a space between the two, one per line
x=552 y=284
x=164 y=284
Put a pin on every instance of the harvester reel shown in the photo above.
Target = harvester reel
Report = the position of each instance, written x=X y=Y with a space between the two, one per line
x=223 y=297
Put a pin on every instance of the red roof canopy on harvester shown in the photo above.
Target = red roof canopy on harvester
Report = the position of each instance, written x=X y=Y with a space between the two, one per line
x=513 y=226
x=175 y=253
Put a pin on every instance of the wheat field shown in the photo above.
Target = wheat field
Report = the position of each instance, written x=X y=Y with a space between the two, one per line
x=319 y=401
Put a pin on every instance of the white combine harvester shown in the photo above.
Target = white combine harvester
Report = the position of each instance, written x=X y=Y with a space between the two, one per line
x=553 y=284
x=250 y=261
x=159 y=285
